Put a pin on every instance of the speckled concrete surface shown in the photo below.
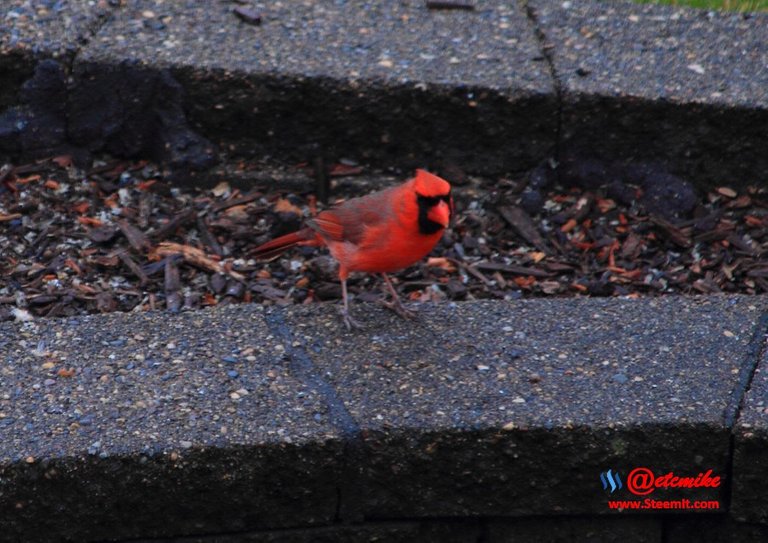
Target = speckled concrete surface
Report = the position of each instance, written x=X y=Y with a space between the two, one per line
x=492 y=47
x=188 y=424
x=385 y=82
x=244 y=418
x=626 y=49
x=497 y=89
x=49 y=28
x=533 y=398
x=32 y=31
x=538 y=362
x=685 y=88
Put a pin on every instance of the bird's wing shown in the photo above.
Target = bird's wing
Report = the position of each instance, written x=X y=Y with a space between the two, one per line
x=350 y=220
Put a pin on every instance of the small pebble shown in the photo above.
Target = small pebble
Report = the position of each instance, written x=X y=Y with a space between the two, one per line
x=247 y=15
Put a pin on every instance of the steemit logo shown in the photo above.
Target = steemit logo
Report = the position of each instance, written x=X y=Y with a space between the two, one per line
x=611 y=479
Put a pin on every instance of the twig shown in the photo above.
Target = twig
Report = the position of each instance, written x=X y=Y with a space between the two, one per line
x=207 y=237
x=516 y=270
x=135 y=237
x=524 y=225
x=244 y=199
x=134 y=267
x=196 y=257
x=176 y=222
x=172 y=286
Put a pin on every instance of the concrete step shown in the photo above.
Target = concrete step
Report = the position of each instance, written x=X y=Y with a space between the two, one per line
x=497 y=89
x=245 y=418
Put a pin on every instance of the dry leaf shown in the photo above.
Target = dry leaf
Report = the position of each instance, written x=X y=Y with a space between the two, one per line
x=550 y=287
x=283 y=205
x=524 y=282
x=30 y=179
x=90 y=221
x=340 y=170
x=605 y=205
x=740 y=202
x=568 y=226
x=728 y=192
x=222 y=190
x=62 y=161
x=144 y=185
x=238 y=213
x=442 y=263
x=81 y=207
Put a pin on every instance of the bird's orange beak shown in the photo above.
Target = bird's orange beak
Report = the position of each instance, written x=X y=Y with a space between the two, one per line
x=440 y=213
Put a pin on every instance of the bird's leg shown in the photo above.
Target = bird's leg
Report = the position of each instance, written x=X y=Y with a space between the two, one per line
x=348 y=320
x=396 y=304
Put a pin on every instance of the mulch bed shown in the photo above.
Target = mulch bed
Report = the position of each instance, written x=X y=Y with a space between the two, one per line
x=119 y=237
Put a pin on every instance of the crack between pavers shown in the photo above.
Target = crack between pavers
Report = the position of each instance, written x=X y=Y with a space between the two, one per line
x=302 y=366
x=755 y=353
x=92 y=31
x=545 y=49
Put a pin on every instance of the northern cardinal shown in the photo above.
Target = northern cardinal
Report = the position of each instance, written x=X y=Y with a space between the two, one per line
x=379 y=233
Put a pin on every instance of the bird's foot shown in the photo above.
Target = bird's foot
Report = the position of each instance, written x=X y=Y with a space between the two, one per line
x=397 y=306
x=349 y=322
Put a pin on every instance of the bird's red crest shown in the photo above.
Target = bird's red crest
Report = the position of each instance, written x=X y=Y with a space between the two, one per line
x=430 y=185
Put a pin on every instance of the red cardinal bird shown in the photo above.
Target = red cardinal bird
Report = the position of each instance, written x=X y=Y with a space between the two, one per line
x=378 y=233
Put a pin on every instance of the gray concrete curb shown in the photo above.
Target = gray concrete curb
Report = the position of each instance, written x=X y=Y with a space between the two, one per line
x=498 y=89
x=681 y=87
x=240 y=418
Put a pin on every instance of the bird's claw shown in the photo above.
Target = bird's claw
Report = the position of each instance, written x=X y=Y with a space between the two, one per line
x=398 y=307
x=349 y=322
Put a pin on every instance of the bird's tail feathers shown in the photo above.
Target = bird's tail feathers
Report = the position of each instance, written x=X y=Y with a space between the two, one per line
x=274 y=248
